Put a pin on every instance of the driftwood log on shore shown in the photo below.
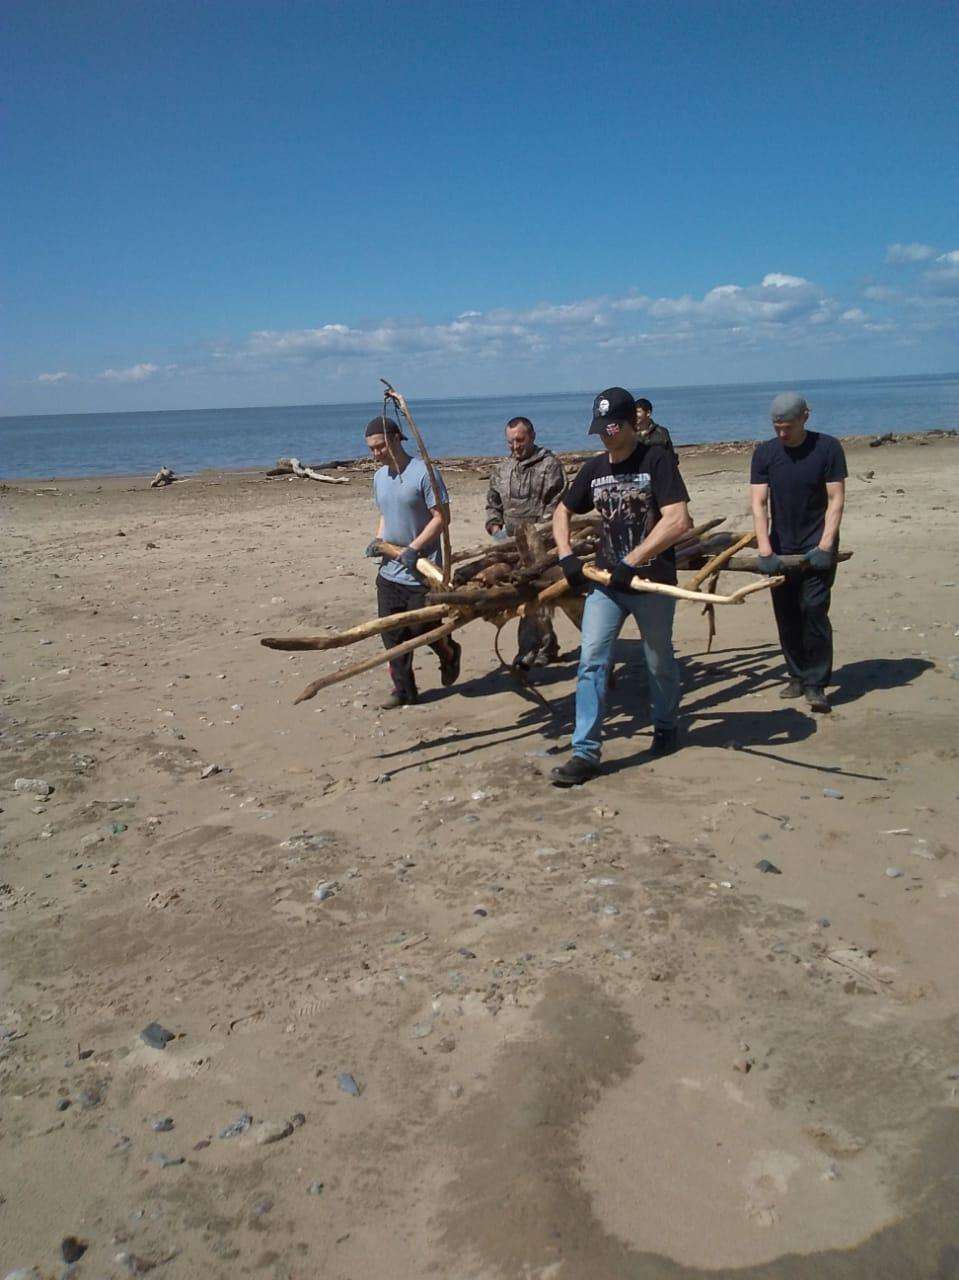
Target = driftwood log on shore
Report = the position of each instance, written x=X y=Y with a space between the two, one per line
x=294 y=467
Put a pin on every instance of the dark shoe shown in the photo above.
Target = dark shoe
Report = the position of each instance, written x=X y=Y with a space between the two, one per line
x=450 y=666
x=549 y=653
x=665 y=742
x=397 y=699
x=817 y=700
x=791 y=689
x=574 y=772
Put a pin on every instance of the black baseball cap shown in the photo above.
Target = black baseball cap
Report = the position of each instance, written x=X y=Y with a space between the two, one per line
x=615 y=404
x=381 y=426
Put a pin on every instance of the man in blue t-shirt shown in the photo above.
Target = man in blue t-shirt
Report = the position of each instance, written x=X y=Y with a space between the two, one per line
x=641 y=499
x=798 y=487
x=412 y=515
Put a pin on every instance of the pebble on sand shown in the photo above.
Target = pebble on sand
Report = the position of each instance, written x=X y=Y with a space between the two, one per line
x=33 y=786
x=155 y=1036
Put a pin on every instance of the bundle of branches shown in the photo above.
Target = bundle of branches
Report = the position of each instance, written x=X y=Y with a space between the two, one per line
x=508 y=579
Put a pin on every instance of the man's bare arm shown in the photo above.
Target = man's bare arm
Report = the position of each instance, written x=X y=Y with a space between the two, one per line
x=432 y=530
x=759 y=501
x=673 y=522
x=561 y=529
x=835 y=501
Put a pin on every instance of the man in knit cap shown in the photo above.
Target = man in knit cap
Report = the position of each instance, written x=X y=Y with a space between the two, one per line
x=798 y=487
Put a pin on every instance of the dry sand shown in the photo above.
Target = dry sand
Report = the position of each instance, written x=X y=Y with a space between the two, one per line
x=547 y=998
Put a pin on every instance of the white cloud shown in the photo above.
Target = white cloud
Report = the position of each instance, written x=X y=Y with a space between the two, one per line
x=879 y=293
x=776 y=280
x=780 y=308
x=136 y=373
x=853 y=315
x=952 y=257
x=60 y=376
x=914 y=252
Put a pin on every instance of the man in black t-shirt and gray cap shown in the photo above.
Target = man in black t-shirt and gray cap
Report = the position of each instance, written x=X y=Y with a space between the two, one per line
x=801 y=476
x=640 y=495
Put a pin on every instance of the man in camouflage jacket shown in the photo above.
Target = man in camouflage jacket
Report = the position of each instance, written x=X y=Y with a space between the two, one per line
x=524 y=489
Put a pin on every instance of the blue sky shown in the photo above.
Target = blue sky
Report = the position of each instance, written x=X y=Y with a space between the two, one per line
x=271 y=203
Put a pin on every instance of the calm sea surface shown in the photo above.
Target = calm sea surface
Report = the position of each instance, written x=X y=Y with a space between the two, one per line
x=86 y=444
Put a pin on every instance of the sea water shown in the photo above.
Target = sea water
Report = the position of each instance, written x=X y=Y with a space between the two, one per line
x=89 y=444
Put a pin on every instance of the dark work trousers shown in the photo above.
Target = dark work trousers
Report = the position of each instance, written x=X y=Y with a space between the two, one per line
x=395 y=597
x=801 y=606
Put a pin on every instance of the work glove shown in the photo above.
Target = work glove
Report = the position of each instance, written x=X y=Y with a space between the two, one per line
x=372 y=550
x=408 y=558
x=500 y=535
x=621 y=575
x=819 y=559
x=572 y=568
x=770 y=565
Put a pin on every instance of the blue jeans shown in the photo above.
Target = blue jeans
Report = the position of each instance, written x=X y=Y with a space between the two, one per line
x=603 y=618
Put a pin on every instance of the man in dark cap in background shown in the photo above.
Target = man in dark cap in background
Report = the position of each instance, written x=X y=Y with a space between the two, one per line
x=651 y=432
x=801 y=476
x=524 y=488
x=640 y=495
x=412 y=515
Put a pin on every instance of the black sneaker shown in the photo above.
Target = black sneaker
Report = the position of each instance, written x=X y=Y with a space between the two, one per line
x=450 y=667
x=574 y=772
x=791 y=689
x=397 y=699
x=817 y=700
x=665 y=742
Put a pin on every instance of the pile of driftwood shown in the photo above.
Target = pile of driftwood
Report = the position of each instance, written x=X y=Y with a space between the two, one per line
x=519 y=576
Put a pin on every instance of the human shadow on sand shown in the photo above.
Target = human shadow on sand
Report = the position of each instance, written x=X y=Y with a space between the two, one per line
x=856 y=679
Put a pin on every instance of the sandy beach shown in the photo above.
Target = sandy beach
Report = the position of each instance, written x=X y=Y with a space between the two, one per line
x=529 y=1033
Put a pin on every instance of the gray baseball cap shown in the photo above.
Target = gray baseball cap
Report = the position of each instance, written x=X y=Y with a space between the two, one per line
x=787 y=406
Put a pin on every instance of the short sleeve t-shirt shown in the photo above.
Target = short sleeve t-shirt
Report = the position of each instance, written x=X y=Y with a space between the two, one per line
x=797 y=480
x=405 y=501
x=630 y=496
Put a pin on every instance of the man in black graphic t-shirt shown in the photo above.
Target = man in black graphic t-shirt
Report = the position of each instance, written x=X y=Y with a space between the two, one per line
x=640 y=495
x=798 y=489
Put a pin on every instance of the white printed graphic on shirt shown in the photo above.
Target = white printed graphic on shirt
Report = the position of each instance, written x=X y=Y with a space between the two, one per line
x=626 y=505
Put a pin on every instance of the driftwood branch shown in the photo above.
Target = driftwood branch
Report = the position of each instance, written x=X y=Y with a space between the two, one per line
x=681 y=593
x=307 y=473
x=718 y=561
x=373 y=628
x=425 y=568
x=428 y=637
x=792 y=564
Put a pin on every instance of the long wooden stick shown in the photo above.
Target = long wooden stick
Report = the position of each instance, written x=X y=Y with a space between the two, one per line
x=719 y=560
x=428 y=637
x=400 y=402
x=680 y=593
x=428 y=613
x=750 y=564
x=559 y=588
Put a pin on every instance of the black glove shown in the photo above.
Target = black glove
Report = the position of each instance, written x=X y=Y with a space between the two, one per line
x=572 y=568
x=408 y=558
x=621 y=575
x=372 y=550
x=819 y=559
x=770 y=565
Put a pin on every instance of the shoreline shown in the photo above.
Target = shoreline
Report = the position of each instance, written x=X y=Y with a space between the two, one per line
x=471 y=462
